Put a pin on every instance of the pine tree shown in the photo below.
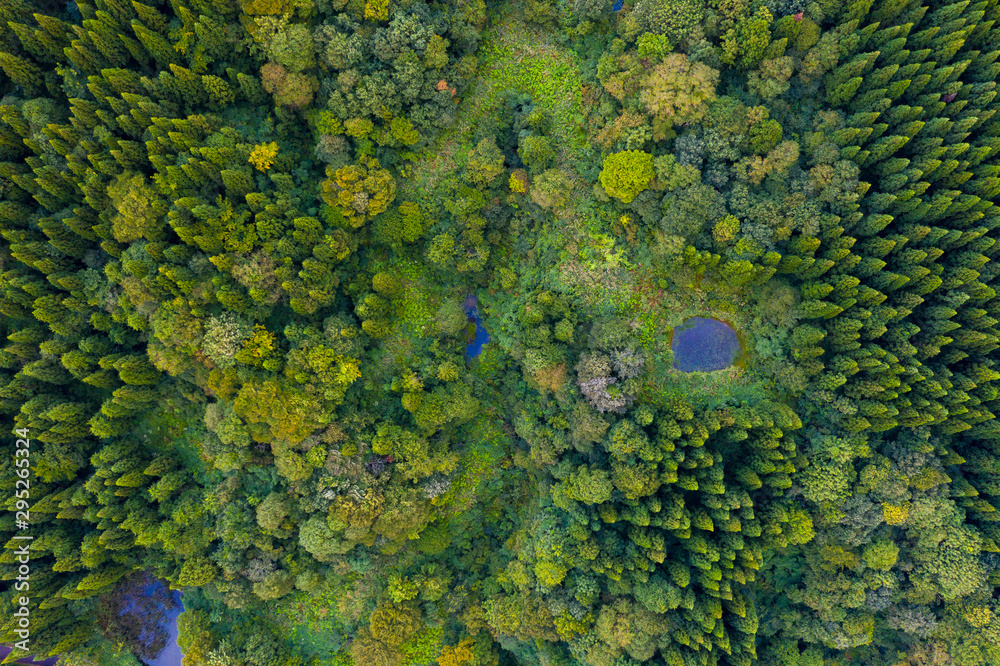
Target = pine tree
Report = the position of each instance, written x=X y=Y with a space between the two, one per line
x=155 y=44
x=22 y=72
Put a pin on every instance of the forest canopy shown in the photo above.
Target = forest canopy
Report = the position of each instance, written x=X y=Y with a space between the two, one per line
x=245 y=246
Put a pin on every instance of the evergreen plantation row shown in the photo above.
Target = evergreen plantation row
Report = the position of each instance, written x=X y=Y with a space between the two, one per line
x=238 y=236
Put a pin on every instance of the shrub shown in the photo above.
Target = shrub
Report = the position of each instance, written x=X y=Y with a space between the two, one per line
x=551 y=189
x=881 y=555
x=485 y=163
x=137 y=209
x=673 y=18
x=262 y=156
x=224 y=337
x=536 y=152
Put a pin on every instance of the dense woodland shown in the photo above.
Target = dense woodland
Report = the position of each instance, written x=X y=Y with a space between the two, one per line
x=238 y=238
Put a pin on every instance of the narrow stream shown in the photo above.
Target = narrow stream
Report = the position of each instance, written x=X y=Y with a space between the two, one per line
x=481 y=336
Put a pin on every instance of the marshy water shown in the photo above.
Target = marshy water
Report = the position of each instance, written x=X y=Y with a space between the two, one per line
x=702 y=344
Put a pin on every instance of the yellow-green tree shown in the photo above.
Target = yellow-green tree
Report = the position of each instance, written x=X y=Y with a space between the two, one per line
x=485 y=163
x=138 y=210
x=624 y=175
x=359 y=191
x=678 y=90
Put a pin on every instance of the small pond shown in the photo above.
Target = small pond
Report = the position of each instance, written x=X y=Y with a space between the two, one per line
x=618 y=5
x=703 y=345
x=480 y=337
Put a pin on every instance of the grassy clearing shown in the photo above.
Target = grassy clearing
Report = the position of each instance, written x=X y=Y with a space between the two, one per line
x=414 y=318
x=314 y=627
x=486 y=446
x=178 y=428
x=522 y=57
x=617 y=287
x=421 y=300
x=593 y=262
x=513 y=56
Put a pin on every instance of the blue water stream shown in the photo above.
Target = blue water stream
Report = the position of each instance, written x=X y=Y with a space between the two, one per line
x=475 y=346
x=171 y=654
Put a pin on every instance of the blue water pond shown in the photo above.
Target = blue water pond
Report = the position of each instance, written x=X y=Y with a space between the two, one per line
x=702 y=344
x=618 y=5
